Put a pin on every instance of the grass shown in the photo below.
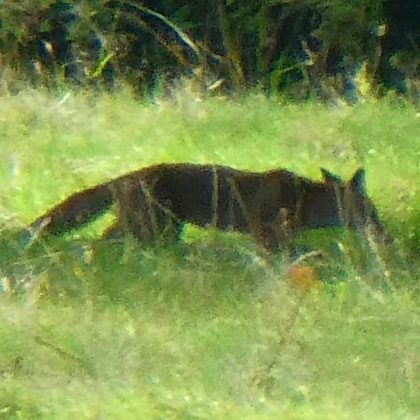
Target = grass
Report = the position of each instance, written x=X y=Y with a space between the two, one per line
x=211 y=327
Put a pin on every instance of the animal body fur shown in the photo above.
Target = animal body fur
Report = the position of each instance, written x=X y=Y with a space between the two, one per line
x=155 y=202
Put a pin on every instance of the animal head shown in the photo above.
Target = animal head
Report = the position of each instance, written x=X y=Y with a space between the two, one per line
x=355 y=208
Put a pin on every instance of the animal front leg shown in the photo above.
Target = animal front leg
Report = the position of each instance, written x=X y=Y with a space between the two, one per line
x=266 y=236
x=277 y=234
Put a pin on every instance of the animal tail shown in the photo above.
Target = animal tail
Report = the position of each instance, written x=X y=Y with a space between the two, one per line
x=76 y=210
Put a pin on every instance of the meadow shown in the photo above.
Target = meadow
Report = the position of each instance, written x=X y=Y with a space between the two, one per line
x=211 y=327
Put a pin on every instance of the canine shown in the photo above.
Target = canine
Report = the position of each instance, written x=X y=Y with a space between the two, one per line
x=154 y=203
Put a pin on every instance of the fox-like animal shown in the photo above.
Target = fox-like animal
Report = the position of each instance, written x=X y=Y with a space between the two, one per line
x=155 y=202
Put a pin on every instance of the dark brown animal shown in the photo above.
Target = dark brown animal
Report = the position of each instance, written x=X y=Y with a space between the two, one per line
x=154 y=203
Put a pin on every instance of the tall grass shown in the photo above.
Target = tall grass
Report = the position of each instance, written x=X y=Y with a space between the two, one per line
x=211 y=327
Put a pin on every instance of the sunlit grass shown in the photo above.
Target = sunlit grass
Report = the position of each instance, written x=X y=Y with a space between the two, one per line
x=211 y=327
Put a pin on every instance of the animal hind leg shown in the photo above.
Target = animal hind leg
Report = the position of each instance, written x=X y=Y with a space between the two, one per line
x=143 y=217
x=115 y=231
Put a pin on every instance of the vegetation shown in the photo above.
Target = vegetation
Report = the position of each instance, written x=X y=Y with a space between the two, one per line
x=299 y=49
x=212 y=327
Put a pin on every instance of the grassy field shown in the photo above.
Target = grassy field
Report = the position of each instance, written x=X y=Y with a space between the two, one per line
x=211 y=327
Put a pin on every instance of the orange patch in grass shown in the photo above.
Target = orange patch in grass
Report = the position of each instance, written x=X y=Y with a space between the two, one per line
x=304 y=277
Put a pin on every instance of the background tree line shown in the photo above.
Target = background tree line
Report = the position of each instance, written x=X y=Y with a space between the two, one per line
x=299 y=48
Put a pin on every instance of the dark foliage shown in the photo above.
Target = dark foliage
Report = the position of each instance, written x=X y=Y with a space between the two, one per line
x=305 y=48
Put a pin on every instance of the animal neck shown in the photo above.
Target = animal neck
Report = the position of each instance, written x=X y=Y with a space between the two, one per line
x=320 y=207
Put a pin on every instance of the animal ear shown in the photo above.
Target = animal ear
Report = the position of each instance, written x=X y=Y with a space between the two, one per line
x=358 y=182
x=330 y=178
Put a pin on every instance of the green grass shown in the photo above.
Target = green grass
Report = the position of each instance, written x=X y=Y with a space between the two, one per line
x=211 y=327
